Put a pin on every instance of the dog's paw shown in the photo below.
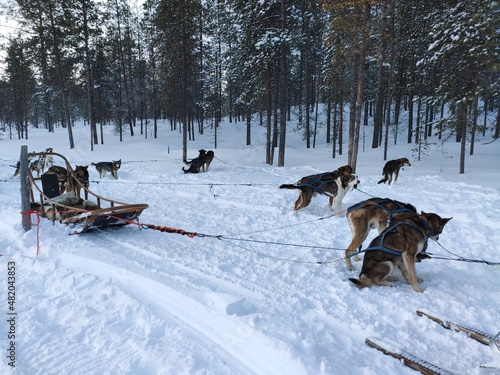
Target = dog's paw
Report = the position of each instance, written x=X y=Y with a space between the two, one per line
x=419 y=280
x=392 y=279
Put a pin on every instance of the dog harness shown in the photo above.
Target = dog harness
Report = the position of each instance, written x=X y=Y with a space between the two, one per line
x=401 y=208
x=381 y=246
x=318 y=183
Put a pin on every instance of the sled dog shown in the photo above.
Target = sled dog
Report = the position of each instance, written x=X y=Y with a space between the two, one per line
x=398 y=246
x=18 y=169
x=48 y=158
x=49 y=211
x=196 y=164
x=36 y=166
x=374 y=213
x=391 y=168
x=108 y=166
x=39 y=165
x=208 y=160
x=333 y=184
x=18 y=166
x=81 y=179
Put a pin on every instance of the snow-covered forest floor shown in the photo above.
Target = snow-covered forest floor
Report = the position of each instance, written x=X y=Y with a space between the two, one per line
x=254 y=301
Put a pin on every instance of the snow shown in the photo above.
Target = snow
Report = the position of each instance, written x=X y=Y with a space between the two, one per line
x=278 y=301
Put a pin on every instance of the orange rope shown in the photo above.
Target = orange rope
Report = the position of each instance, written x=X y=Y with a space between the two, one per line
x=37 y=225
x=170 y=230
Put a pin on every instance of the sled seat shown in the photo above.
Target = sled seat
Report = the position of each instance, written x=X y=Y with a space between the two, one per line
x=50 y=185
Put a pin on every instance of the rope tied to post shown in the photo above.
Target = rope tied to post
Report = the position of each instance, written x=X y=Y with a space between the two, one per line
x=37 y=225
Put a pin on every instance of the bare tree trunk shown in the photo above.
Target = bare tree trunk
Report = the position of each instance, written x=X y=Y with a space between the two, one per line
x=485 y=114
x=474 y=125
x=47 y=97
x=410 y=101
x=341 y=120
x=328 y=120
x=354 y=143
x=88 y=78
x=24 y=95
x=62 y=81
x=268 y=116
x=155 y=91
x=316 y=106
x=124 y=72
x=418 y=120
x=462 y=126
x=249 y=125
x=334 y=129
x=379 y=107
x=352 y=103
x=389 y=81
x=275 y=119
x=184 y=88
x=283 y=90
x=308 y=97
x=497 y=126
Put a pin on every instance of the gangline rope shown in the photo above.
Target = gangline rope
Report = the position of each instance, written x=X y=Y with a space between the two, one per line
x=233 y=237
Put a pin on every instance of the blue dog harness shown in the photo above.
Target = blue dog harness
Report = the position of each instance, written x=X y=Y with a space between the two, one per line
x=401 y=208
x=386 y=249
x=319 y=182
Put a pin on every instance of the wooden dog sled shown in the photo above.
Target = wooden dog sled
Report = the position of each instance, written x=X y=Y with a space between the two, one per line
x=69 y=208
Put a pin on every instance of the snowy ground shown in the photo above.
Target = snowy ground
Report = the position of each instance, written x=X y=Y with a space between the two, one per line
x=132 y=301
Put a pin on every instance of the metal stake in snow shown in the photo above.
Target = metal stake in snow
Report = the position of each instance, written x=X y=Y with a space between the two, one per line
x=495 y=350
x=408 y=359
x=482 y=337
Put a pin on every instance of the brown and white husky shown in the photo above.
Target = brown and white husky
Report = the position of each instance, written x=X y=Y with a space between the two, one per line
x=332 y=184
x=399 y=246
x=374 y=213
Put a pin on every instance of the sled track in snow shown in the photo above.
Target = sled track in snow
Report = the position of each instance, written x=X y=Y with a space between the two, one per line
x=175 y=297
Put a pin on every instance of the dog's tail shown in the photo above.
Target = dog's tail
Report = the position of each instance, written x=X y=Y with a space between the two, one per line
x=384 y=180
x=94 y=164
x=187 y=162
x=362 y=282
x=290 y=186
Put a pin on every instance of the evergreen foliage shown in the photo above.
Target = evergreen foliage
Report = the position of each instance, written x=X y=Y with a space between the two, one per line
x=196 y=62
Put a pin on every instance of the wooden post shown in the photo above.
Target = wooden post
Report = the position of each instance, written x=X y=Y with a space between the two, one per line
x=25 y=189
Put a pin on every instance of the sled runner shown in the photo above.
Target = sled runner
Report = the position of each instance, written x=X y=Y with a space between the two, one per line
x=56 y=195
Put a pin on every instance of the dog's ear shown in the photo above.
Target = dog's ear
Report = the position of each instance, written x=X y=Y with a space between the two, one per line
x=346 y=169
x=445 y=220
x=345 y=181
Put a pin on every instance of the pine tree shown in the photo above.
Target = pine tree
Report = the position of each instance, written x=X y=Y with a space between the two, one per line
x=464 y=48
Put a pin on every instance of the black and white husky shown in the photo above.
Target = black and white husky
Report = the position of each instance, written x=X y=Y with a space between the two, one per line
x=108 y=166
x=391 y=168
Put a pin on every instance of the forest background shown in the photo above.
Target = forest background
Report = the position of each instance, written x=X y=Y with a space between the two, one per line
x=197 y=62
